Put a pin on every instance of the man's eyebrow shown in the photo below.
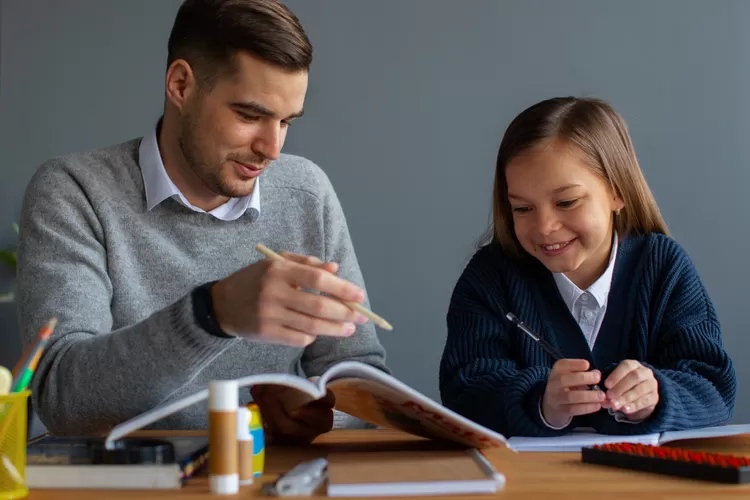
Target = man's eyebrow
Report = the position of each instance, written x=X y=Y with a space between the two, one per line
x=259 y=109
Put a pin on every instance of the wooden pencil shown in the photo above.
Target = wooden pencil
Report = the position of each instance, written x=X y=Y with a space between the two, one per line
x=382 y=323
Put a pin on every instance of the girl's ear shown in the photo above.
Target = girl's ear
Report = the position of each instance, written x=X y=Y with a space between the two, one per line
x=618 y=203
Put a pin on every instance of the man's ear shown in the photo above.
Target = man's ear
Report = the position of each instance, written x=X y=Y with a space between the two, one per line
x=180 y=83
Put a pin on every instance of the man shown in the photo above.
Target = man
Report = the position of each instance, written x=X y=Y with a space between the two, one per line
x=145 y=251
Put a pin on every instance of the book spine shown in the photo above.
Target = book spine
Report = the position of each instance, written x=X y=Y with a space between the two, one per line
x=222 y=437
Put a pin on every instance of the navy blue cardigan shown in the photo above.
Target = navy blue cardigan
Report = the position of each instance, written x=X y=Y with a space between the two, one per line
x=658 y=313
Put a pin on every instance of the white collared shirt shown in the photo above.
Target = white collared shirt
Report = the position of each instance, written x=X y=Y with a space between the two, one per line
x=588 y=306
x=159 y=185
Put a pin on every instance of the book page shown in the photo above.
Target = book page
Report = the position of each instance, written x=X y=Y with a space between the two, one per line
x=576 y=440
x=171 y=407
x=384 y=401
x=705 y=432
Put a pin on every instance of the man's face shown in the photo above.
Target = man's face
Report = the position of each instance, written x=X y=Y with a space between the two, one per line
x=230 y=133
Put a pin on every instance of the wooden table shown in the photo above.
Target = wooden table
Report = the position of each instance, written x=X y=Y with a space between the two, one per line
x=558 y=476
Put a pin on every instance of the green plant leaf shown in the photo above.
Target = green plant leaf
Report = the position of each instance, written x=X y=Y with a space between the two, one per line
x=10 y=258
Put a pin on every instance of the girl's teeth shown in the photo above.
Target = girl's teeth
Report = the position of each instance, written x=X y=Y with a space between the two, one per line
x=556 y=246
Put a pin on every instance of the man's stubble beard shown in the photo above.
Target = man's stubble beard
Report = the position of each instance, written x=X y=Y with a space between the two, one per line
x=207 y=174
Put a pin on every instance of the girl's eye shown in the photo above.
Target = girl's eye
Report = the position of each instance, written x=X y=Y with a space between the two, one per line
x=521 y=210
x=567 y=203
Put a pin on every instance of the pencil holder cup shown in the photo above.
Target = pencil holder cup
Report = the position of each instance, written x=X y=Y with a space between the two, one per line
x=13 y=435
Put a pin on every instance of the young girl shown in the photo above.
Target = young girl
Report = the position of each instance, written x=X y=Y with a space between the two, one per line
x=581 y=254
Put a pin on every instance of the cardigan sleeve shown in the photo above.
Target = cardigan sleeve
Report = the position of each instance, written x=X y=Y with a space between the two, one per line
x=479 y=378
x=696 y=377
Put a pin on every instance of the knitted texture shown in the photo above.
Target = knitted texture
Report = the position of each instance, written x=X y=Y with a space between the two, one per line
x=658 y=313
x=119 y=277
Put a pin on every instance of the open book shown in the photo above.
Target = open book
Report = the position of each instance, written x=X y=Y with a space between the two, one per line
x=361 y=391
x=576 y=440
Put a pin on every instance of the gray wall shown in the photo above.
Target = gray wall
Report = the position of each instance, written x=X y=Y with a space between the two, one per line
x=408 y=100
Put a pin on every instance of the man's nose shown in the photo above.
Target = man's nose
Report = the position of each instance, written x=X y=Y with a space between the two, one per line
x=268 y=143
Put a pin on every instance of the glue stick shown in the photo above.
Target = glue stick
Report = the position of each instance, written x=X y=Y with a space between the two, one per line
x=244 y=446
x=259 y=441
x=222 y=437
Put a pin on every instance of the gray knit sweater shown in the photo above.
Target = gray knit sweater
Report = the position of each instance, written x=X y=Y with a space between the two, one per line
x=119 y=277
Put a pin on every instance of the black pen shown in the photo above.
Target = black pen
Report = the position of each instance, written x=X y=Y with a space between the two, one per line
x=556 y=355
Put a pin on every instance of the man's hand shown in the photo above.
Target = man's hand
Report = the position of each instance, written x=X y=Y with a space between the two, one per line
x=294 y=425
x=633 y=390
x=264 y=302
x=567 y=393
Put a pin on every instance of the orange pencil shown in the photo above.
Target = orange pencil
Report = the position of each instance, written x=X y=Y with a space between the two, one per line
x=25 y=356
x=45 y=330
x=32 y=355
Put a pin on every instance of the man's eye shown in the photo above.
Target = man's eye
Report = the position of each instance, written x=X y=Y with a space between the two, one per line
x=246 y=117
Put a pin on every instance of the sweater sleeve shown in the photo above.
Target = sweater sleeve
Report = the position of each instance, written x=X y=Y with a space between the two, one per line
x=479 y=377
x=90 y=376
x=363 y=345
x=696 y=376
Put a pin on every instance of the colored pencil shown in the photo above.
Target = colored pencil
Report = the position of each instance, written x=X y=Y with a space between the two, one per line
x=25 y=372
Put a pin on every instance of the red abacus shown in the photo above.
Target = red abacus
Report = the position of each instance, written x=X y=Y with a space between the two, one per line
x=717 y=467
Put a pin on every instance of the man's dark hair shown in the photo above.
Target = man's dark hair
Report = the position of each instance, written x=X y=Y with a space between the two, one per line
x=208 y=33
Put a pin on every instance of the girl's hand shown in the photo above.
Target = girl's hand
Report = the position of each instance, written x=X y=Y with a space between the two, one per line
x=633 y=390
x=563 y=398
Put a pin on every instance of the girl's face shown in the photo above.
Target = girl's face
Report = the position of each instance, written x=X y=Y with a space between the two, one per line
x=562 y=210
